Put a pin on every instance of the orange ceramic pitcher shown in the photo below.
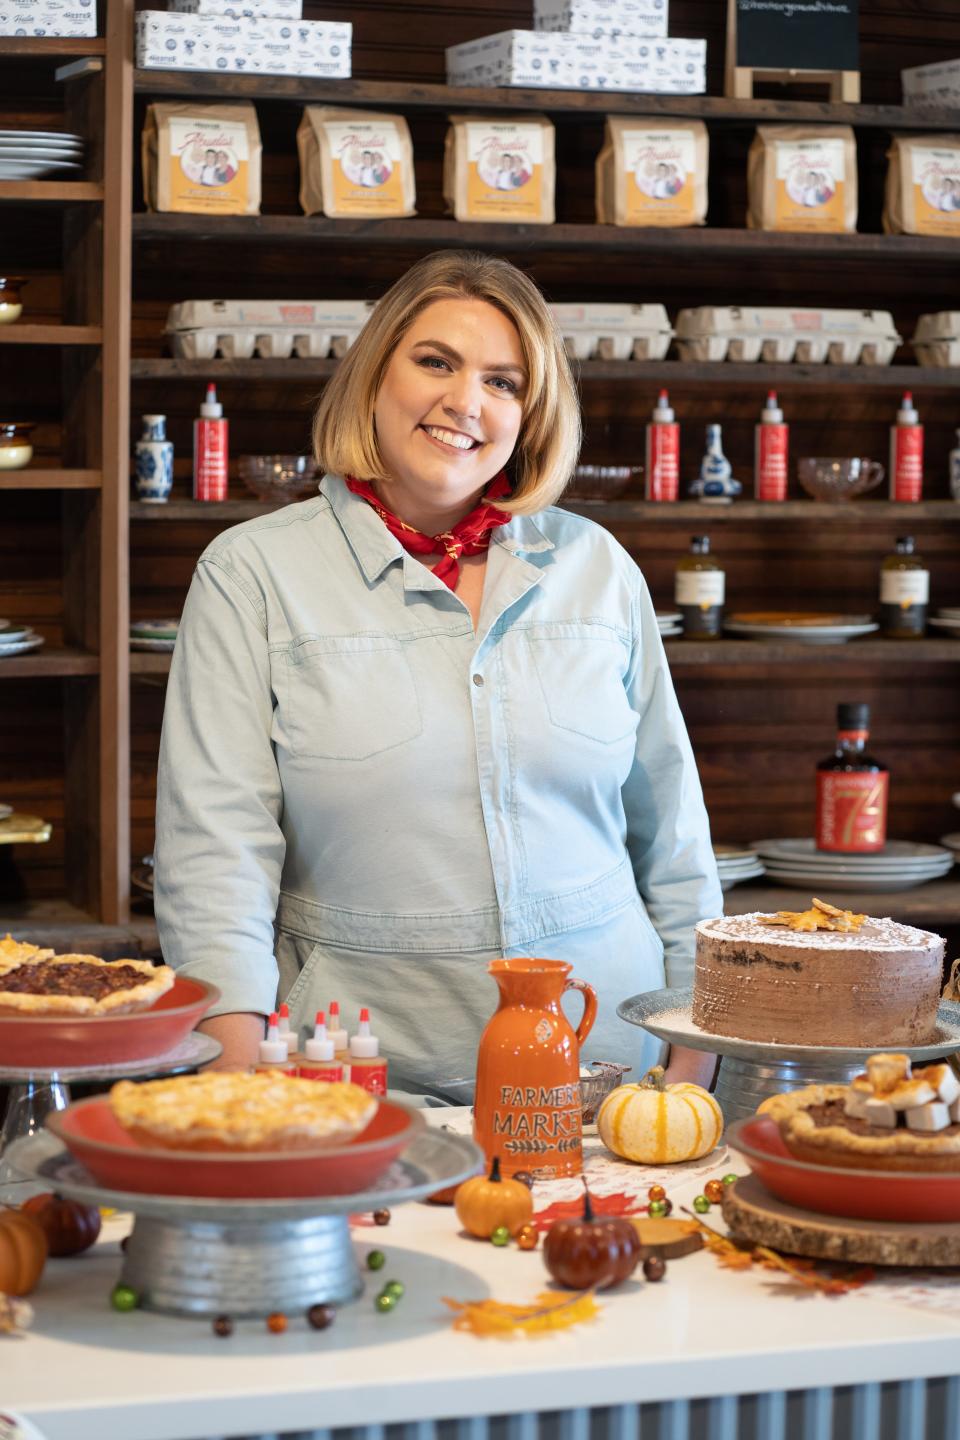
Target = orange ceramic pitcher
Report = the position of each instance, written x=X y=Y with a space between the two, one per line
x=527 y=1104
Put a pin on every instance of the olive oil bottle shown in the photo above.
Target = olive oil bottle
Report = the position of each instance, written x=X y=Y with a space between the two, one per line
x=699 y=592
x=904 y=592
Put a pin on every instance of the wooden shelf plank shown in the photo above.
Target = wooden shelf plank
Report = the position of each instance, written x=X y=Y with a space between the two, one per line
x=933 y=904
x=51 y=190
x=676 y=374
x=65 y=927
x=871 y=651
x=52 y=47
x=148 y=662
x=756 y=246
x=51 y=335
x=52 y=480
x=685 y=512
x=48 y=663
x=412 y=95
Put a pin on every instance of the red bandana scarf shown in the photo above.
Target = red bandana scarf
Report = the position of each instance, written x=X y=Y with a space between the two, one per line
x=471 y=536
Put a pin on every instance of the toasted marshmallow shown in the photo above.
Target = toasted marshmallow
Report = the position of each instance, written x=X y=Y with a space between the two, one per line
x=911 y=1094
x=886 y=1072
x=943 y=1080
x=933 y=1116
x=880 y=1112
x=955 y=1111
x=855 y=1102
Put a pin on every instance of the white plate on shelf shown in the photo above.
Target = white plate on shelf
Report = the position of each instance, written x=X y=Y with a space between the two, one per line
x=802 y=634
x=801 y=850
x=33 y=642
x=67 y=137
x=944 y=622
x=9 y=151
x=727 y=882
x=869 y=884
x=157 y=645
x=154 y=629
x=34 y=169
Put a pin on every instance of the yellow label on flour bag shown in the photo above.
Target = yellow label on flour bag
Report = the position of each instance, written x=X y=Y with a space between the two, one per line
x=500 y=170
x=923 y=186
x=202 y=159
x=649 y=173
x=355 y=163
x=803 y=179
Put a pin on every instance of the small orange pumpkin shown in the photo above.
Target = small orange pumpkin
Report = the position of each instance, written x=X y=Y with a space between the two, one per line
x=488 y=1201
x=23 y=1252
x=70 y=1227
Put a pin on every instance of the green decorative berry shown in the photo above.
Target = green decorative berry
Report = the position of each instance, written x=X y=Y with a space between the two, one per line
x=500 y=1236
x=124 y=1298
x=385 y=1301
x=701 y=1204
x=396 y=1288
x=376 y=1260
x=729 y=1179
x=658 y=1209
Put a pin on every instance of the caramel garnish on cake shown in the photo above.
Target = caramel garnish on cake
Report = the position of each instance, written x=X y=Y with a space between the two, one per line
x=820 y=916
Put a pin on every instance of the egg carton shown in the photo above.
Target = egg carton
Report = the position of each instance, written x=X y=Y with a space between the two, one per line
x=238 y=342
x=780 y=335
x=613 y=332
x=334 y=315
x=936 y=339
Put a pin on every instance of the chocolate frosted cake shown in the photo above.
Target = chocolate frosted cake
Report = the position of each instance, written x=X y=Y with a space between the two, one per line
x=873 y=983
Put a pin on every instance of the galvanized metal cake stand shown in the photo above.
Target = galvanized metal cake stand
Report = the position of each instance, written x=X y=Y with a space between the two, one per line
x=35 y=1091
x=248 y=1257
x=750 y=1070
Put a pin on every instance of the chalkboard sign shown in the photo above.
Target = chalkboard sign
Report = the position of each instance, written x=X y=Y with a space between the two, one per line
x=798 y=34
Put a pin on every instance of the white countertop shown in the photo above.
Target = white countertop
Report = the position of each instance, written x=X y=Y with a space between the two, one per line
x=84 y=1371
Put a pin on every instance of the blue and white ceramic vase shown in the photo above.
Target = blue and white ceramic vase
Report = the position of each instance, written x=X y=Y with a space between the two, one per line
x=154 y=461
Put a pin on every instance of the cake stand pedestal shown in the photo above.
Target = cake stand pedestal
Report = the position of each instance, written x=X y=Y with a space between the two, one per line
x=750 y=1070
x=208 y=1257
x=35 y=1092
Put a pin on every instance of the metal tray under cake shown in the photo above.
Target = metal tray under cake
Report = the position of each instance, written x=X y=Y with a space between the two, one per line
x=668 y=1015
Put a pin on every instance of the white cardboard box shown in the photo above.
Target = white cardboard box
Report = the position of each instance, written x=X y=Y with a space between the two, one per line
x=166 y=40
x=930 y=85
x=240 y=9
x=603 y=17
x=54 y=18
x=297 y=314
x=575 y=61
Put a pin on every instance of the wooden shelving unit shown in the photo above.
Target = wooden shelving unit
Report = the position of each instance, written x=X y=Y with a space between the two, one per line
x=51 y=480
x=51 y=335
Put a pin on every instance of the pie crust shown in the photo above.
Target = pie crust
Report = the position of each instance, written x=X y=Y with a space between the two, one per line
x=14 y=952
x=47 y=984
x=814 y=1127
x=230 y=1110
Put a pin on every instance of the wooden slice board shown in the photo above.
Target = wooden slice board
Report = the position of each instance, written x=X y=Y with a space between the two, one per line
x=670 y=1239
x=752 y=1213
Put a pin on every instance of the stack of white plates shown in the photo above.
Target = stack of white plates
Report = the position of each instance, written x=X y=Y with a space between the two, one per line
x=17 y=639
x=735 y=864
x=946 y=619
x=670 y=622
x=31 y=154
x=952 y=843
x=158 y=635
x=900 y=865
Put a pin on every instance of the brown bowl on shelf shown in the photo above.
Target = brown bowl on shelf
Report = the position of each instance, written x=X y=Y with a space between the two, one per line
x=836 y=479
x=280 y=478
x=602 y=482
x=11 y=302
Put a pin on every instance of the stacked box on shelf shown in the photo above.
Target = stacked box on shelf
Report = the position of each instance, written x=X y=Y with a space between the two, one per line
x=936 y=339
x=573 y=61
x=932 y=85
x=241 y=9
x=601 y=18
x=61 y=19
x=610 y=331
x=780 y=334
x=172 y=40
x=272 y=329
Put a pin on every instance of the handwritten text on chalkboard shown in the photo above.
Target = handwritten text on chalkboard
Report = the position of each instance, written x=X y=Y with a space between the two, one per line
x=798 y=34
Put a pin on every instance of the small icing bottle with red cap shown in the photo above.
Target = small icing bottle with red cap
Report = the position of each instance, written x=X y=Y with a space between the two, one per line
x=368 y=1068
x=771 y=448
x=337 y=1033
x=273 y=1056
x=317 y=1061
x=906 y=453
x=287 y=1035
x=662 y=452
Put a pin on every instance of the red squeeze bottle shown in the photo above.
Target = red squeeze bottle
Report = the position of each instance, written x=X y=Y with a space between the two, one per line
x=368 y=1068
x=210 y=450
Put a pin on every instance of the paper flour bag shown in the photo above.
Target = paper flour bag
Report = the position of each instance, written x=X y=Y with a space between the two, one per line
x=500 y=168
x=923 y=186
x=803 y=177
x=202 y=159
x=355 y=163
x=652 y=172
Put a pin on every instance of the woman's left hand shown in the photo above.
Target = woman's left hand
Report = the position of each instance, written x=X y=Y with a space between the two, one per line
x=694 y=1066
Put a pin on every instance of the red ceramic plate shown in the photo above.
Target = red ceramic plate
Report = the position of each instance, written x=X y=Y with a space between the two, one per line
x=90 y=1132
x=46 y=1042
x=857 y=1194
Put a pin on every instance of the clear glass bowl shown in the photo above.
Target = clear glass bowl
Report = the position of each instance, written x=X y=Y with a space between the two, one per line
x=607 y=1075
x=280 y=478
x=836 y=478
x=602 y=482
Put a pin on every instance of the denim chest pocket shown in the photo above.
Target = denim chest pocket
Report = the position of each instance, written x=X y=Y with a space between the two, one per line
x=348 y=699
x=580 y=679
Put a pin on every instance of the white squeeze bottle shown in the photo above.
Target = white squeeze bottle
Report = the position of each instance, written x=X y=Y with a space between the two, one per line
x=318 y=1062
x=906 y=453
x=771 y=447
x=662 y=470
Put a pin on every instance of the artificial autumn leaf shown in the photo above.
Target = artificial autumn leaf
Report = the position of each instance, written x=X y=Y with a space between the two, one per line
x=802 y=1271
x=616 y=1204
x=551 y=1310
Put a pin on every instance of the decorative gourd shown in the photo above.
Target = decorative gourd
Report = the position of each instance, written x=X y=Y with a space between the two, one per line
x=660 y=1124
x=487 y=1201
x=593 y=1252
x=70 y=1227
x=23 y=1252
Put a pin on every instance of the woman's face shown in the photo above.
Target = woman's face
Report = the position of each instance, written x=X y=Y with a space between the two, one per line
x=449 y=408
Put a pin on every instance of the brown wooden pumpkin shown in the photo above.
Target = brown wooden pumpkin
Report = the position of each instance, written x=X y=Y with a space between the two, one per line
x=488 y=1201
x=593 y=1252
x=23 y=1252
x=660 y=1124
x=70 y=1227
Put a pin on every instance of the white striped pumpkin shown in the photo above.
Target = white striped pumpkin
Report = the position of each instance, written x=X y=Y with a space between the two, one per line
x=660 y=1124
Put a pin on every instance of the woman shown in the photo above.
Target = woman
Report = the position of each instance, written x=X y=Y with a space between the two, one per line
x=388 y=758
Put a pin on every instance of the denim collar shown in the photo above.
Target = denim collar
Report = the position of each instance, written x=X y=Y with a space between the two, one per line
x=376 y=549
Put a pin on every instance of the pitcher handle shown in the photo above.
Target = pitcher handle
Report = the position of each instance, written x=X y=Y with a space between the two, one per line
x=589 y=1006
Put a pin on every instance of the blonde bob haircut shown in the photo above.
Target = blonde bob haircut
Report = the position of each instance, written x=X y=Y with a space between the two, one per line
x=344 y=433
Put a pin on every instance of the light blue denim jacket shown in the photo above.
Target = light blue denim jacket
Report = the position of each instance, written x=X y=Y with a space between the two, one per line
x=361 y=798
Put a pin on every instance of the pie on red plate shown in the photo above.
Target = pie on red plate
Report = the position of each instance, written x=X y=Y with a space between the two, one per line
x=46 y=984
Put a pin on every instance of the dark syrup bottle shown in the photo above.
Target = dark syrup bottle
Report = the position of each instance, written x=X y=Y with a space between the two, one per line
x=852 y=789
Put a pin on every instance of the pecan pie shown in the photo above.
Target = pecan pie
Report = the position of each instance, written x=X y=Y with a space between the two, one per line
x=889 y=1118
x=46 y=984
x=14 y=952
x=230 y=1110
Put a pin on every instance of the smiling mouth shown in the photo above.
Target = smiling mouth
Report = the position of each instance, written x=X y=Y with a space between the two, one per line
x=451 y=439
